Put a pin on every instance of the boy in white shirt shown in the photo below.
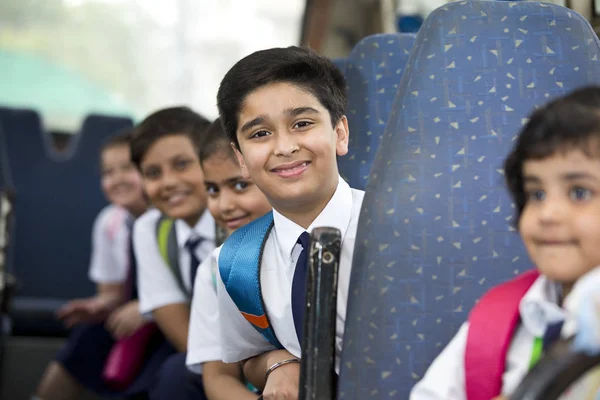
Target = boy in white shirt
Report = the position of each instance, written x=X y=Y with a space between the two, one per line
x=233 y=201
x=165 y=149
x=283 y=110
x=113 y=312
x=553 y=174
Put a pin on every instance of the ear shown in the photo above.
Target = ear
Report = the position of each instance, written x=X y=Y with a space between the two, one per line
x=341 y=136
x=241 y=161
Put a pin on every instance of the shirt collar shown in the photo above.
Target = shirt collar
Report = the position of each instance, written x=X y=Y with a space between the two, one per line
x=204 y=228
x=336 y=214
x=540 y=306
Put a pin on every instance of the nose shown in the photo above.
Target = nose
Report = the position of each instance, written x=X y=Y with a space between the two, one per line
x=286 y=143
x=226 y=202
x=169 y=179
x=552 y=210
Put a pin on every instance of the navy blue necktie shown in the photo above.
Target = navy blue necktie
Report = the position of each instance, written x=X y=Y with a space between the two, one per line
x=552 y=334
x=131 y=281
x=299 y=286
x=191 y=245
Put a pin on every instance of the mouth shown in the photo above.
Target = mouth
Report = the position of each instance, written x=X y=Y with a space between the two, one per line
x=292 y=169
x=234 y=223
x=555 y=242
x=176 y=199
x=122 y=189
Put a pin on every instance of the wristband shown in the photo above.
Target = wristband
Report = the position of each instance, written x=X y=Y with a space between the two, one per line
x=279 y=364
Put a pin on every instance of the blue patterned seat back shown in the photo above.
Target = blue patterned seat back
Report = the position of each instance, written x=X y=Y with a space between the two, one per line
x=58 y=197
x=435 y=229
x=373 y=73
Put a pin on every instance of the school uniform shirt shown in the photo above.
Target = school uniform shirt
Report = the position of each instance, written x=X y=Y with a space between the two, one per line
x=110 y=246
x=204 y=342
x=239 y=340
x=157 y=286
x=445 y=378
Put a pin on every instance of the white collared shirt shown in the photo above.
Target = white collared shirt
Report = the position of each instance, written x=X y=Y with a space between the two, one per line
x=204 y=342
x=110 y=246
x=239 y=340
x=157 y=286
x=445 y=378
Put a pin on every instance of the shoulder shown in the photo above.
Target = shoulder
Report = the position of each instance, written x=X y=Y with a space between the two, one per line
x=147 y=222
x=110 y=220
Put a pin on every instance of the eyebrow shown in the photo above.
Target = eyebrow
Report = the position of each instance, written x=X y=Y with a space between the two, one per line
x=294 y=112
x=252 y=123
x=228 y=181
x=290 y=112
x=571 y=176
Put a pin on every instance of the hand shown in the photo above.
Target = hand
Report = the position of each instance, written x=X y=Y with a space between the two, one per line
x=93 y=309
x=283 y=383
x=125 y=320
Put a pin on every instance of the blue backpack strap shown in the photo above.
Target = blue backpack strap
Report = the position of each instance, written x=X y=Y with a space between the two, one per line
x=239 y=266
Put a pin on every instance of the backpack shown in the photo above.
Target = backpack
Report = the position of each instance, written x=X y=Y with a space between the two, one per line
x=239 y=266
x=492 y=324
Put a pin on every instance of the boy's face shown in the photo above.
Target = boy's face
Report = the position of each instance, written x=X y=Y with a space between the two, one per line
x=560 y=224
x=232 y=200
x=121 y=181
x=288 y=146
x=173 y=178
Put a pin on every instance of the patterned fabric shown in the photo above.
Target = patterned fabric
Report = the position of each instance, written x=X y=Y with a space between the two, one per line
x=373 y=72
x=435 y=228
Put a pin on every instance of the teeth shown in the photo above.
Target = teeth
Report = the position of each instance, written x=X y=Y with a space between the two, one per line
x=304 y=164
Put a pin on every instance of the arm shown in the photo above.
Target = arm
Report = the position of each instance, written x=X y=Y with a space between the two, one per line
x=225 y=381
x=174 y=320
x=159 y=294
x=255 y=368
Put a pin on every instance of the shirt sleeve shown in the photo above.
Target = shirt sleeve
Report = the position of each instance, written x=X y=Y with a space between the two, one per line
x=157 y=287
x=445 y=378
x=105 y=266
x=239 y=340
x=203 y=340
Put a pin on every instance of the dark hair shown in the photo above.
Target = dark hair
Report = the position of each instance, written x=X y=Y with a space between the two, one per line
x=296 y=65
x=167 y=122
x=121 y=138
x=216 y=142
x=567 y=123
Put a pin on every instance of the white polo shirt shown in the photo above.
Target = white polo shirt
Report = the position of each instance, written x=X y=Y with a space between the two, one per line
x=239 y=340
x=110 y=246
x=157 y=286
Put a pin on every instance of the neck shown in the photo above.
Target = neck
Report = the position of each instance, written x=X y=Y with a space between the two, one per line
x=193 y=220
x=566 y=289
x=138 y=209
x=305 y=212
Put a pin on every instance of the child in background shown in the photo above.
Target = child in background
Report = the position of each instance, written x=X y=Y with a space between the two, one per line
x=112 y=313
x=233 y=201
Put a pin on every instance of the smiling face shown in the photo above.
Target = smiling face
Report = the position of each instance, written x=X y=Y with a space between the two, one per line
x=233 y=200
x=173 y=178
x=121 y=181
x=560 y=223
x=288 y=147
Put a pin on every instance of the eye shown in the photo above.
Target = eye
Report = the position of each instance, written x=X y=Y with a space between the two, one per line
x=259 y=134
x=212 y=190
x=241 y=186
x=181 y=164
x=580 y=194
x=536 y=195
x=107 y=172
x=302 y=124
x=152 y=173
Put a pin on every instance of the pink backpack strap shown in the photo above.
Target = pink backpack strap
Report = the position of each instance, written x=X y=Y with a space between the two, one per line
x=492 y=323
